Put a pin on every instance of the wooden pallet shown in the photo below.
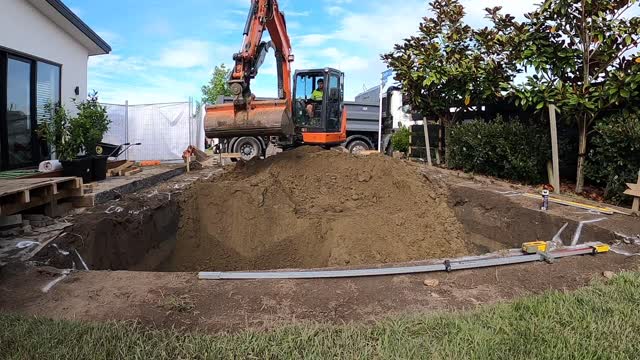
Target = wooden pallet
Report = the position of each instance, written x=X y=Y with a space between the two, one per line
x=22 y=194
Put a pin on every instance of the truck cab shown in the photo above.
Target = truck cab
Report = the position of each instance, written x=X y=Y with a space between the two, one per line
x=319 y=115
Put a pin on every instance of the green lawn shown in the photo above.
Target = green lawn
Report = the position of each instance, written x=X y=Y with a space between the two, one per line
x=599 y=322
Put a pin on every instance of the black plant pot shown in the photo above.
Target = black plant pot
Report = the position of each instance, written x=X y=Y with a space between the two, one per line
x=81 y=167
x=100 y=167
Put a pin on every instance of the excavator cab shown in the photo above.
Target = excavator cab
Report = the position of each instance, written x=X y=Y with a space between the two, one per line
x=319 y=121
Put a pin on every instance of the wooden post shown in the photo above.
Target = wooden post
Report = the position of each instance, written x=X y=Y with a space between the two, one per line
x=426 y=141
x=554 y=149
x=636 y=200
x=188 y=162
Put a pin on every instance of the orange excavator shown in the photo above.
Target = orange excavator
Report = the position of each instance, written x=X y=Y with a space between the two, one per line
x=304 y=113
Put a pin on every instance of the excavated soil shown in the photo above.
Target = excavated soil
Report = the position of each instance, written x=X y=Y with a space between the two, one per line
x=311 y=208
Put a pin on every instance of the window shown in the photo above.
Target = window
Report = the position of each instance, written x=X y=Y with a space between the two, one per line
x=334 y=108
x=47 y=89
x=307 y=110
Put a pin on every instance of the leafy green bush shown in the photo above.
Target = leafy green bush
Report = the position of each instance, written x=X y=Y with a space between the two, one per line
x=614 y=158
x=400 y=139
x=58 y=130
x=506 y=149
x=69 y=135
x=92 y=122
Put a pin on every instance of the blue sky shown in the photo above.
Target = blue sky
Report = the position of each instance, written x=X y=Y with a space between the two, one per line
x=165 y=51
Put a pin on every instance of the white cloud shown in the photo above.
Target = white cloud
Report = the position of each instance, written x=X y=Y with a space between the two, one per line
x=296 y=13
x=186 y=53
x=335 y=10
x=310 y=40
x=159 y=26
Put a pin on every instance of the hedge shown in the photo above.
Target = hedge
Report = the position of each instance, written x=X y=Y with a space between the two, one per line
x=505 y=149
x=614 y=158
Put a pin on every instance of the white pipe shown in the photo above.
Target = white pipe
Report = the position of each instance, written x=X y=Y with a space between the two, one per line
x=576 y=235
x=53 y=282
x=81 y=260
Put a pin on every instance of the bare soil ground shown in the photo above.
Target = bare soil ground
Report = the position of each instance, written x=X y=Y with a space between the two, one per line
x=168 y=300
x=180 y=300
x=315 y=208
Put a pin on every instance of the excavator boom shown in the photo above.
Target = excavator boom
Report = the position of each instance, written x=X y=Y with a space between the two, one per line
x=246 y=116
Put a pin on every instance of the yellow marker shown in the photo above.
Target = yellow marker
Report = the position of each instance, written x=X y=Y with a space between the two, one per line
x=602 y=248
x=467 y=100
x=534 y=247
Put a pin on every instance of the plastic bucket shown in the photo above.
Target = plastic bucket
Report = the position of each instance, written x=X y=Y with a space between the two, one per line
x=99 y=167
x=81 y=167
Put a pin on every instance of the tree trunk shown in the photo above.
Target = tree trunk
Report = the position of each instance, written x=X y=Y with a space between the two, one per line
x=582 y=153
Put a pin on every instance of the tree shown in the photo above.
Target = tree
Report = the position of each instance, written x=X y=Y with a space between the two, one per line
x=217 y=85
x=579 y=51
x=450 y=65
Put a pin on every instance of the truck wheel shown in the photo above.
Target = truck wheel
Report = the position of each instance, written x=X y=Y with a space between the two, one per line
x=357 y=146
x=248 y=148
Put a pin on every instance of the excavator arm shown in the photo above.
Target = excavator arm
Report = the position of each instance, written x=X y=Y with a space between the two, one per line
x=246 y=116
x=263 y=15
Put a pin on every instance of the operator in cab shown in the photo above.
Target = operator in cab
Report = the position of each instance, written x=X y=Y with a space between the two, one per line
x=316 y=97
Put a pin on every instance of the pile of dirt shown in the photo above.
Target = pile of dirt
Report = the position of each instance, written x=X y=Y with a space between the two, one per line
x=310 y=208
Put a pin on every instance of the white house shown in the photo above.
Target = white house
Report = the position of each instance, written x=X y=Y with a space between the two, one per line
x=44 y=51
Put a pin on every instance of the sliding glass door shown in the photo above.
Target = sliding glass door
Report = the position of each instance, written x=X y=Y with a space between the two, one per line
x=26 y=86
x=19 y=117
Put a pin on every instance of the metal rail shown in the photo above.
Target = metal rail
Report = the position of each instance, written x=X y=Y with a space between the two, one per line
x=513 y=257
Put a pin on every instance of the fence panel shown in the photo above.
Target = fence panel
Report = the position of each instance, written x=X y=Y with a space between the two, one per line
x=117 y=133
x=164 y=130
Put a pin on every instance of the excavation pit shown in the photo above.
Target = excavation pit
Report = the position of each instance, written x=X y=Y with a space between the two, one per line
x=307 y=208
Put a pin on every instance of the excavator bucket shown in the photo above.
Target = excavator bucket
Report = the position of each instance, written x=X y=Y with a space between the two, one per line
x=264 y=118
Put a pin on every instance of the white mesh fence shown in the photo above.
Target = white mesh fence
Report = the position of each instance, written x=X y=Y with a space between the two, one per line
x=164 y=130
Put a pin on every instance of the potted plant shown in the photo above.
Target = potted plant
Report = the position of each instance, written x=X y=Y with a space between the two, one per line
x=92 y=122
x=59 y=130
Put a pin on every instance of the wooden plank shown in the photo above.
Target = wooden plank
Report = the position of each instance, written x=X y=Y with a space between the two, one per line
x=89 y=200
x=231 y=156
x=636 y=200
x=13 y=208
x=132 y=172
x=630 y=192
x=426 y=141
x=604 y=210
x=633 y=187
x=118 y=170
x=368 y=152
x=115 y=164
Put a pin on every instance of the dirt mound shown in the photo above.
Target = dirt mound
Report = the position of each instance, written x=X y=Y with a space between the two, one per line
x=314 y=208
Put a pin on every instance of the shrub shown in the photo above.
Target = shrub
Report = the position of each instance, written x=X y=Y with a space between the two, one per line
x=614 y=158
x=400 y=139
x=506 y=149
x=58 y=130
x=92 y=122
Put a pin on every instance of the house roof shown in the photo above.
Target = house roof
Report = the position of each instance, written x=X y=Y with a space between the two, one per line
x=60 y=14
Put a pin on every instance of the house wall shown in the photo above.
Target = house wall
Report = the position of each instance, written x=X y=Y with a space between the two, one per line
x=25 y=29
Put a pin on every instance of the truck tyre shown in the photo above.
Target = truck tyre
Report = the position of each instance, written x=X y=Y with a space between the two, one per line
x=358 y=146
x=248 y=148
